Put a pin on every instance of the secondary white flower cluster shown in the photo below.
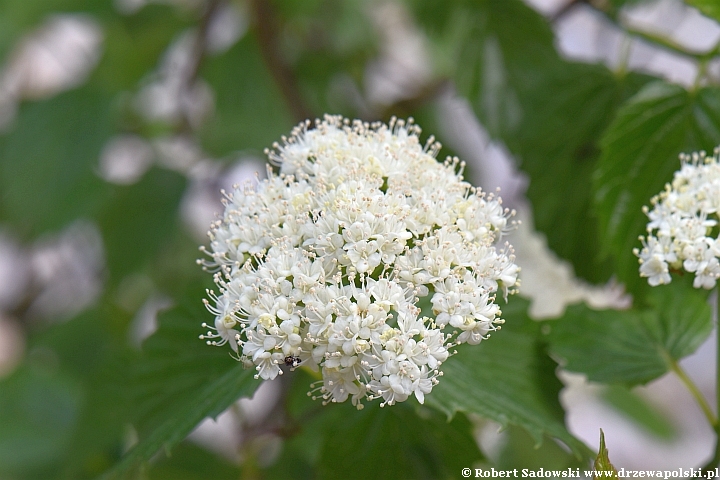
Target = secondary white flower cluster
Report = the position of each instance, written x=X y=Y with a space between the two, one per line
x=682 y=231
x=325 y=263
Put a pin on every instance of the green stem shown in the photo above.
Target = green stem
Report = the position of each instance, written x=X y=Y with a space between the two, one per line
x=715 y=460
x=704 y=405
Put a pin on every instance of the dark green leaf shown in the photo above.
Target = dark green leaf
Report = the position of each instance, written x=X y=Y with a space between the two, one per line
x=190 y=462
x=48 y=161
x=550 y=113
x=396 y=441
x=639 y=155
x=137 y=220
x=520 y=450
x=711 y=8
x=632 y=346
x=39 y=410
x=179 y=382
x=329 y=45
x=134 y=44
x=250 y=111
x=557 y=144
x=92 y=348
x=509 y=379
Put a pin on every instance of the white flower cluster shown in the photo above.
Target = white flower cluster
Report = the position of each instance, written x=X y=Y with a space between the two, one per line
x=324 y=264
x=682 y=232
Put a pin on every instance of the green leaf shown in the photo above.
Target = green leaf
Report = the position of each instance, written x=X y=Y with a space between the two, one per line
x=602 y=462
x=558 y=146
x=93 y=349
x=330 y=44
x=250 y=113
x=39 y=410
x=48 y=161
x=396 y=441
x=138 y=220
x=190 y=462
x=711 y=8
x=632 y=346
x=550 y=113
x=639 y=155
x=179 y=382
x=509 y=379
x=508 y=49
x=520 y=450
x=134 y=44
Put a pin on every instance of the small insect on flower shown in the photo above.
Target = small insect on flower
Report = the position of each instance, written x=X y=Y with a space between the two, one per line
x=292 y=361
x=325 y=263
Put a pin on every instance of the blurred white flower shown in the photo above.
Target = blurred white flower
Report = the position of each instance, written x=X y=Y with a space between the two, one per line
x=682 y=232
x=57 y=56
x=326 y=264
x=125 y=158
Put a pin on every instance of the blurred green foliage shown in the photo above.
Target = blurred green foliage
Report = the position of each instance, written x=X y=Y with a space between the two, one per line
x=595 y=142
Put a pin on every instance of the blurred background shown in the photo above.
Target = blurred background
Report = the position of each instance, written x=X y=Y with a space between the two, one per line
x=121 y=122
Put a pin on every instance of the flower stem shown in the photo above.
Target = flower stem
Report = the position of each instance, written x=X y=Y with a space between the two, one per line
x=704 y=405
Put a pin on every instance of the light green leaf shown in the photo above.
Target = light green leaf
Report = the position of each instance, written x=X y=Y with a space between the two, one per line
x=632 y=346
x=602 y=461
x=179 y=382
x=639 y=155
x=509 y=379
x=711 y=8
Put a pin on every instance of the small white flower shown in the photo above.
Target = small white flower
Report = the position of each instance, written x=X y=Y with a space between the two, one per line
x=682 y=219
x=324 y=263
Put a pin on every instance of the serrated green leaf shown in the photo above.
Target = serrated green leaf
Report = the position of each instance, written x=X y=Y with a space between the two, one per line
x=711 y=8
x=639 y=155
x=558 y=146
x=549 y=112
x=179 y=382
x=509 y=379
x=48 y=161
x=397 y=441
x=632 y=346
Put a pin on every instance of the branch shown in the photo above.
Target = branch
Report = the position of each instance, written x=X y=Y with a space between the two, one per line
x=266 y=24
